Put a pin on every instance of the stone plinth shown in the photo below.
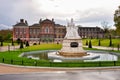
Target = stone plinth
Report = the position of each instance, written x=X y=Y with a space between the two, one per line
x=72 y=48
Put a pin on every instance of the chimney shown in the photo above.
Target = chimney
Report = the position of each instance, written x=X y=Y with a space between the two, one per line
x=40 y=20
x=21 y=20
x=52 y=19
x=26 y=22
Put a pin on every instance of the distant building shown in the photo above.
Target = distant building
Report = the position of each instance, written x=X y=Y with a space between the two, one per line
x=90 y=32
x=21 y=30
x=47 y=31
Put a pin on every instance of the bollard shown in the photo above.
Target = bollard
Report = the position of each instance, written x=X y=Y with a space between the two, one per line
x=118 y=47
x=11 y=61
x=35 y=63
x=22 y=62
x=114 y=63
x=99 y=64
x=3 y=60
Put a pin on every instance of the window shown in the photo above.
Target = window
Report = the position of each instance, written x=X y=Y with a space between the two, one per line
x=46 y=30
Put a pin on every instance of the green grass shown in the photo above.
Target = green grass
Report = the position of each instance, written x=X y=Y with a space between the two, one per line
x=8 y=43
x=104 y=42
x=12 y=58
x=49 y=46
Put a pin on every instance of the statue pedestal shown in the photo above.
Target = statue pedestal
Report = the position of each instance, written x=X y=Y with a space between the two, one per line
x=72 y=48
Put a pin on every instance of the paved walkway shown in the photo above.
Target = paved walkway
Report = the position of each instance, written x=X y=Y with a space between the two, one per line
x=104 y=48
x=65 y=75
x=8 y=69
x=13 y=69
x=7 y=48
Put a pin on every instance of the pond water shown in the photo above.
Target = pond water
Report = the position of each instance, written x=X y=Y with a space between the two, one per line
x=43 y=55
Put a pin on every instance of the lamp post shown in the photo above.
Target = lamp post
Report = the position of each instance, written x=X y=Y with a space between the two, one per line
x=9 y=47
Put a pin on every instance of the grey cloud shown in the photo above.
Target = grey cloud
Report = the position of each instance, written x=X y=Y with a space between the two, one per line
x=93 y=16
x=13 y=10
x=2 y=26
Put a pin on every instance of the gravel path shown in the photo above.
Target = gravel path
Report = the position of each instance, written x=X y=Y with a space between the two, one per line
x=12 y=69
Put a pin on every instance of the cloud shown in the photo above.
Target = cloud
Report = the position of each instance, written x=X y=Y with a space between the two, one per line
x=2 y=26
x=92 y=16
x=60 y=10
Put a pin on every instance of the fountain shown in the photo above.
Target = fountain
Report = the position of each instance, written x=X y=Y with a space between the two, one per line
x=72 y=46
x=72 y=43
x=71 y=50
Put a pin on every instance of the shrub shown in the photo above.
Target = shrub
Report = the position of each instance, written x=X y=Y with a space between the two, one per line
x=34 y=43
x=86 y=42
x=90 y=44
x=27 y=43
x=110 y=44
x=99 y=43
x=21 y=45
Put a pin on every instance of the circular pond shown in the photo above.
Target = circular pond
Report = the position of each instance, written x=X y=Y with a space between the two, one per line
x=99 y=55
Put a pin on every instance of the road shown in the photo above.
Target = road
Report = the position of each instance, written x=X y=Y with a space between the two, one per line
x=65 y=75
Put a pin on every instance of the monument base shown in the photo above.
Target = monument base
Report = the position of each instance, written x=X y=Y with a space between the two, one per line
x=55 y=56
x=72 y=54
x=72 y=48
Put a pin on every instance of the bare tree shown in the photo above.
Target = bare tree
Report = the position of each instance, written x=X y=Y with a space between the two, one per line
x=106 y=28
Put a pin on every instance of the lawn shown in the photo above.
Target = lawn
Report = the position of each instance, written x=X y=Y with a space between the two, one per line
x=11 y=57
x=15 y=54
x=104 y=42
x=8 y=43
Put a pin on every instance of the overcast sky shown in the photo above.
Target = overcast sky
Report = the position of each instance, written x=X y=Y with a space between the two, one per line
x=84 y=12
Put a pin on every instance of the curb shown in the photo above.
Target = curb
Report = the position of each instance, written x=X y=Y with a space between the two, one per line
x=64 y=68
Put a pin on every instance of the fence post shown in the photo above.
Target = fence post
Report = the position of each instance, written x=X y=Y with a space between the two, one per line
x=114 y=63
x=22 y=62
x=99 y=64
x=11 y=61
x=3 y=60
x=118 y=47
x=35 y=63
x=50 y=63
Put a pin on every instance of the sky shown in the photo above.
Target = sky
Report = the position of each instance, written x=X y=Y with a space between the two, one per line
x=87 y=13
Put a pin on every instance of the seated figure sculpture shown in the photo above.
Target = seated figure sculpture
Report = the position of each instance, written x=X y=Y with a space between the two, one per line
x=72 y=43
x=72 y=31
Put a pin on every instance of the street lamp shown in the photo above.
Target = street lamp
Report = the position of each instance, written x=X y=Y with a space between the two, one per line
x=9 y=47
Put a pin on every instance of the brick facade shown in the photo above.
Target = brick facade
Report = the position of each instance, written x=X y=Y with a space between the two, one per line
x=47 y=31
x=44 y=31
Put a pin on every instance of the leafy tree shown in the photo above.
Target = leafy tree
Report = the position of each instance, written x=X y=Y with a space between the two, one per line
x=117 y=20
x=90 y=44
x=1 y=44
x=1 y=41
x=6 y=34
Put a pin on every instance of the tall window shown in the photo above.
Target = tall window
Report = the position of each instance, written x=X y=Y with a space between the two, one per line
x=46 y=30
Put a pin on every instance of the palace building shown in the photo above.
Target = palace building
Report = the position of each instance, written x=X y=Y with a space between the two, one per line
x=90 y=32
x=45 y=30
x=48 y=31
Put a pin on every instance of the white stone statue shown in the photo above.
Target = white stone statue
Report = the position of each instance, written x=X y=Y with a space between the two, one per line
x=72 y=31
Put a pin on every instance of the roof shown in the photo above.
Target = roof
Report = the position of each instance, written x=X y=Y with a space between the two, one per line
x=20 y=24
x=89 y=27
x=58 y=25
x=47 y=21
x=35 y=25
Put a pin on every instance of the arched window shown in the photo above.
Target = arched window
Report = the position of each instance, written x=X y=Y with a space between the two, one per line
x=46 y=30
